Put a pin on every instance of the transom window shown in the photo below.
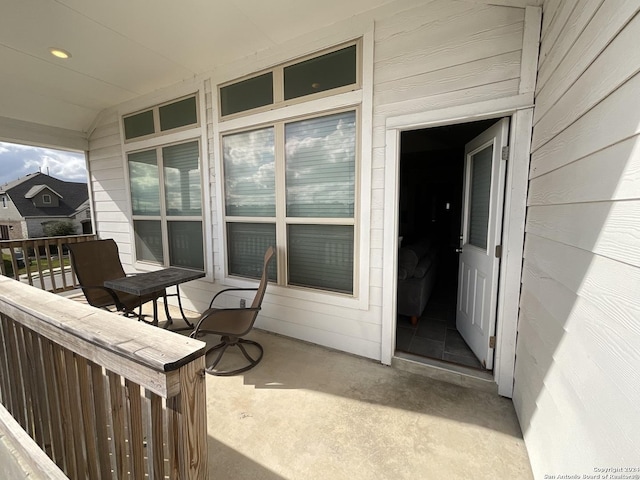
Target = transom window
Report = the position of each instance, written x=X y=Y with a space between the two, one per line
x=161 y=118
x=293 y=184
x=333 y=71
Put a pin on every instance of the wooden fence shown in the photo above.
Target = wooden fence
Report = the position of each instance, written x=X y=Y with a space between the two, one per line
x=39 y=255
x=102 y=395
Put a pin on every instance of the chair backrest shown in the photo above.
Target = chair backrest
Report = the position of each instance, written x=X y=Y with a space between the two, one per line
x=257 y=300
x=94 y=262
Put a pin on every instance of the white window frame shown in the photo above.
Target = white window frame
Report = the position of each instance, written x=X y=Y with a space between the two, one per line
x=165 y=218
x=46 y=199
x=175 y=136
x=158 y=133
x=324 y=103
x=281 y=220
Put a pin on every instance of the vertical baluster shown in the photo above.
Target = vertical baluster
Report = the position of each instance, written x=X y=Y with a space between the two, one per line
x=76 y=413
x=117 y=419
x=155 y=437
x=136 y=436
x=54 y=404
x=174 y=437
x=17 y=407
x=100 y=405
x=5 y=389
x=88 y=420
x=47 y=249
x=36 y=394
x=66 y=419
x=36 y=250
x=27 y=261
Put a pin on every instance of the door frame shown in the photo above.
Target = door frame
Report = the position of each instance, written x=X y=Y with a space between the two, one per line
x=520 y=109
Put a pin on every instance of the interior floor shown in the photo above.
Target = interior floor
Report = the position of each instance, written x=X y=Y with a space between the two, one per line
x=435 y=335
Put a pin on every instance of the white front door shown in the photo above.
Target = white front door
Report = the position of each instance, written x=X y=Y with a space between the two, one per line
x=484 y=173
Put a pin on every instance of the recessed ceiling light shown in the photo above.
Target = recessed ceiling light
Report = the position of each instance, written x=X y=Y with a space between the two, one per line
x=60 y=53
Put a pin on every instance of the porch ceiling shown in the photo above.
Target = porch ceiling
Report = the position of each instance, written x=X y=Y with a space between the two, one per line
x=122 y=49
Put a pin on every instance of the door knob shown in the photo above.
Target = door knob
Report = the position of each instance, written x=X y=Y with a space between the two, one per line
x=458 y=250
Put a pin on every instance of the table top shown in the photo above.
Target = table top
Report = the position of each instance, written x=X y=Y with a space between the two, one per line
x=148 y=282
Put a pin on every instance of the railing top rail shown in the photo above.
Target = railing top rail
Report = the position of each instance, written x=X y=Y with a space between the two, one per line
x=147 y=355
x=38 y=241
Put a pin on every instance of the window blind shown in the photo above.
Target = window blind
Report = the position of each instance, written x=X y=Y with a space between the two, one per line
x=183 y=193
x=321 y=256
x=249 y=168
x=247 y=243
x=144 y=182
x=480 y=197
x=320 y=166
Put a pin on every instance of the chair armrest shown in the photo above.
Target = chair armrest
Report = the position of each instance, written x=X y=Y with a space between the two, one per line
x=234 y=289
x=213 y=312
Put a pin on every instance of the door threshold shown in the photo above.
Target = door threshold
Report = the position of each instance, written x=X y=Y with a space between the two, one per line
x=446 y=372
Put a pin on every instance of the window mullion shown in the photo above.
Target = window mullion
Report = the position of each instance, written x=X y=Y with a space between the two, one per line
x=163 y=209
x=278 y=85
x=281 y=203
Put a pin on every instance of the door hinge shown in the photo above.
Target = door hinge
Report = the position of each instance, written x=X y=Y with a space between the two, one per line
x=492 y=342
x=498 y=251
x=505 y=152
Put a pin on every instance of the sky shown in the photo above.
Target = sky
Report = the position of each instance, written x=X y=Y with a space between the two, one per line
x=16 y=161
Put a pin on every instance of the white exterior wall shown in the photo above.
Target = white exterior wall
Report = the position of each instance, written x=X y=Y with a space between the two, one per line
x=418 y=56
x=577 y=386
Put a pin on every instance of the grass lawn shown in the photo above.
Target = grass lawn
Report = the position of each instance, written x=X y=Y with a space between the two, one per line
x=33 y=264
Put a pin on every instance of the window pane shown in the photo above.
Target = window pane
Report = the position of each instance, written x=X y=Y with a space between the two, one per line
x=321 y=256
x=335 y=69
x=247 y=244
x=182 y=179
x=138 y=125
x=249 y=176
x=247 y=94
x=178 y=114
x=148 y=240
x=145 y=185
x=186 y=245
x=320 y=166
x=480 y=197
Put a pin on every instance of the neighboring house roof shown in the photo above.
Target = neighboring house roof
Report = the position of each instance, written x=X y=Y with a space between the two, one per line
x=72 y=195
x=37 y=189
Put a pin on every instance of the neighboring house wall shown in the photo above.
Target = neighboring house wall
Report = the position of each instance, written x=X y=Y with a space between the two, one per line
x=36 y=225
x=576 y=389
x=39 y=200
x=427 y=56
x=10 y=217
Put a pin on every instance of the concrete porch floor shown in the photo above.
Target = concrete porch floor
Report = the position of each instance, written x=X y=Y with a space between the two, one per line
x=308 y=412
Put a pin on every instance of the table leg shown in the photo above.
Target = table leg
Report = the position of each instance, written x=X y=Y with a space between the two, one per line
x=166 y=312
x=181 y=310
x=155 y=312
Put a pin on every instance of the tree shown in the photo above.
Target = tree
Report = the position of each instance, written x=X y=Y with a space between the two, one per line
x=60 y=228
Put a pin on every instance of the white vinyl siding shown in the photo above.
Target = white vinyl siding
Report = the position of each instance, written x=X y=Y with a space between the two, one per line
x=416 y=57
x=576 y=390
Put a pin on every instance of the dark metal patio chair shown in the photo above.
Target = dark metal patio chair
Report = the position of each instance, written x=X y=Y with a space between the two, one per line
x=234 y=323
x=96 y=261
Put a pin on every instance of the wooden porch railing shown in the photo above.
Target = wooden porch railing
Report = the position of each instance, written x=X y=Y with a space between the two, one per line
x=102 y=395
x=42 y=274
